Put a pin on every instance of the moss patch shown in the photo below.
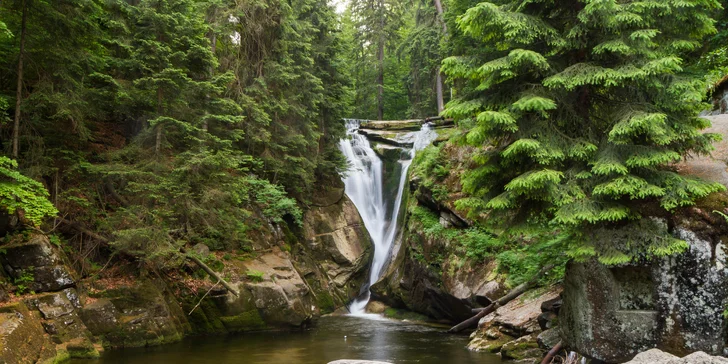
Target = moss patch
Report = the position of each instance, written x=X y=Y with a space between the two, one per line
x=325 y=302
x=246 y=321
x=82 y=349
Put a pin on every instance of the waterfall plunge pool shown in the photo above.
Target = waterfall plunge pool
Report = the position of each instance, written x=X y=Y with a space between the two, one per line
x=356 y=336
x=332 y=338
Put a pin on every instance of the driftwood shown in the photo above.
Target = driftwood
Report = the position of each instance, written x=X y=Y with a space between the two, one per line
x=550 y=355
x=191 y=257
x=473 y=321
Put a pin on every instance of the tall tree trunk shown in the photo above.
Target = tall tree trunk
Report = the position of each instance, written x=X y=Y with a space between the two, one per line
x=19 y=90
x=440 y=98
x=380 y=79
x=213 y=48
x=439 y=81
x=380 y=58
x=441 y=15
x=158 y=140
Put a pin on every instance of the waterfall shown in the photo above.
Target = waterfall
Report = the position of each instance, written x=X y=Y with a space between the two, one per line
x=365 y=187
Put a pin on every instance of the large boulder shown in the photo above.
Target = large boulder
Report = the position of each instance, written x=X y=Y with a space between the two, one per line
x=36 y=261
x=272 y=294
x=674 y=303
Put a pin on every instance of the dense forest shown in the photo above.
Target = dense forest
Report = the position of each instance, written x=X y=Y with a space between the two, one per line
x=162 y=123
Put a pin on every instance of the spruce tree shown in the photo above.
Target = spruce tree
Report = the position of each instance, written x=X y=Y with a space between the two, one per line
x=578 y=111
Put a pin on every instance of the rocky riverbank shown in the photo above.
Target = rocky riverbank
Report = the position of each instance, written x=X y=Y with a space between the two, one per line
x=286 y=283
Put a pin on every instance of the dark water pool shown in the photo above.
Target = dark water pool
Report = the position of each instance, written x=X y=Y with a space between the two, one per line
x=333 y=338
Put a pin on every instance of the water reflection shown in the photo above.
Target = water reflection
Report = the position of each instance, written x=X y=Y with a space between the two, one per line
x=343 y=337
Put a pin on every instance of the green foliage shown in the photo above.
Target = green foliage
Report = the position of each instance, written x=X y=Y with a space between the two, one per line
x=20 y=194
x=254 y=275
x=22 y=283
x=579 y=114
x=164 y=123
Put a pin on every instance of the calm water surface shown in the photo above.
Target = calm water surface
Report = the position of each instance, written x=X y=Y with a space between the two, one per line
x=392 y=341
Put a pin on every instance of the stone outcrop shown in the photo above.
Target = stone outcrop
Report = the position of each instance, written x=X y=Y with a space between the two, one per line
x=337 y=254
x=37 y=264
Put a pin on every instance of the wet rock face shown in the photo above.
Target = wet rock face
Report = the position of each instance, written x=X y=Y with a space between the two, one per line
x=410 y=284
x=339 y=246
x=37 y=261
x=674 y=303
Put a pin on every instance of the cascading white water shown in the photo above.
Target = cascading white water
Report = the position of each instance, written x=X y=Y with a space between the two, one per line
x=365 y=187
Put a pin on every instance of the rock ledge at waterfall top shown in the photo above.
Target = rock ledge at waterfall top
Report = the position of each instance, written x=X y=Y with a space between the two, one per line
x=349 y=361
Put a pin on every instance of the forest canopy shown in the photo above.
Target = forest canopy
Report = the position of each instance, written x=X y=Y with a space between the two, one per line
x=202 y=120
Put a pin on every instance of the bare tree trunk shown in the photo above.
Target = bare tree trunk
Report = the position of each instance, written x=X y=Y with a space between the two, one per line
x=440 y=15
x=473 y=321
x=212 y=273
x=380 y=79
x=158 y=140
x=439 y=81
x=213 y=48
x=19 y=90
x=440 y=97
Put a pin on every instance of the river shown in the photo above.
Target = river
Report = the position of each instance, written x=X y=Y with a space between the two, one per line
x=332 y=338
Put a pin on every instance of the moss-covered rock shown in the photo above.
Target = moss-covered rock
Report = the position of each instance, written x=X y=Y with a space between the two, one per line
x=403 y=314
x=139 y=315
x=22 y=338
x=246 y=321
x=82 y=349
x=489 y=344
x=522 y=348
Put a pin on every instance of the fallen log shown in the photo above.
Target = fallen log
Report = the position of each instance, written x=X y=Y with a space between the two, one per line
x=473 y=321
x=211 y=272
x=550 y=355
